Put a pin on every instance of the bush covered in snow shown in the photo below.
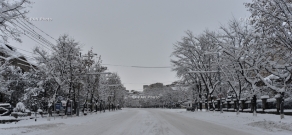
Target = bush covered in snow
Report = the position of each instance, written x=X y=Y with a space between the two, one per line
x=20 y=107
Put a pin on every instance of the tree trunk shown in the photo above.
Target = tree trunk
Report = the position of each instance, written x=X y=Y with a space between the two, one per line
x=254 y=105
x=237 y=106
x=282 y=105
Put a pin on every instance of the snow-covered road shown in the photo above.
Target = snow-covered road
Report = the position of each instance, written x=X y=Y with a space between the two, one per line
x=145 y=122
x=136 y=121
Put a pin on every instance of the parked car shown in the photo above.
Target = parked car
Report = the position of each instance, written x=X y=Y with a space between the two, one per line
x=5 y=109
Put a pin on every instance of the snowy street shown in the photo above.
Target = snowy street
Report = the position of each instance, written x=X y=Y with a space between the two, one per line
x=146 y=122
x=153 y=67
x=136 y=121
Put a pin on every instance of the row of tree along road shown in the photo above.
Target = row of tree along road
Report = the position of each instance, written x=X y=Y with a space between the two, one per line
x=57 y=70
x=242 y=60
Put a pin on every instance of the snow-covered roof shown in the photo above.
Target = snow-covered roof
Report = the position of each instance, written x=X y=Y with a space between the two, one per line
x=11 y=52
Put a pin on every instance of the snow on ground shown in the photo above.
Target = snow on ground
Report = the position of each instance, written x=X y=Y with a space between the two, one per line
x=152 y=121
x=265 y=123
x=29 y=126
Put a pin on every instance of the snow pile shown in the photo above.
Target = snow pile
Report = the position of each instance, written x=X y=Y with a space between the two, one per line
x=265 y=97
x=42 y=126
x=39 y=110
x=19 y=107
x=30 y=129
x=272 y=126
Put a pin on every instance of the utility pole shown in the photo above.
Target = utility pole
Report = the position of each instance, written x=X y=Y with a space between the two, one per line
x=88 y=63
x=99 y=70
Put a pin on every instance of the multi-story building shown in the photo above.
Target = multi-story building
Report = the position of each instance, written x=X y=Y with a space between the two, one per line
x=154 y=86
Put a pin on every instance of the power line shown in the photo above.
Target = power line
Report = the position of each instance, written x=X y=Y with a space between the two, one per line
x=34 y=25
x=40 y=29
x=116 y=65
x=31 y=32
x=32 y=36
x=137 y=66
x=36 y=36
x=37 y=42
x=149 y=83
x=148 y=67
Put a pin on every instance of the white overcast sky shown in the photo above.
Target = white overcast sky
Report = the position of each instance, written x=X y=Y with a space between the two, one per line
x=132 y=32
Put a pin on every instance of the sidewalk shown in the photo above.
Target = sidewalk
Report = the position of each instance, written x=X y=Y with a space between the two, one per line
x=266 y=123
